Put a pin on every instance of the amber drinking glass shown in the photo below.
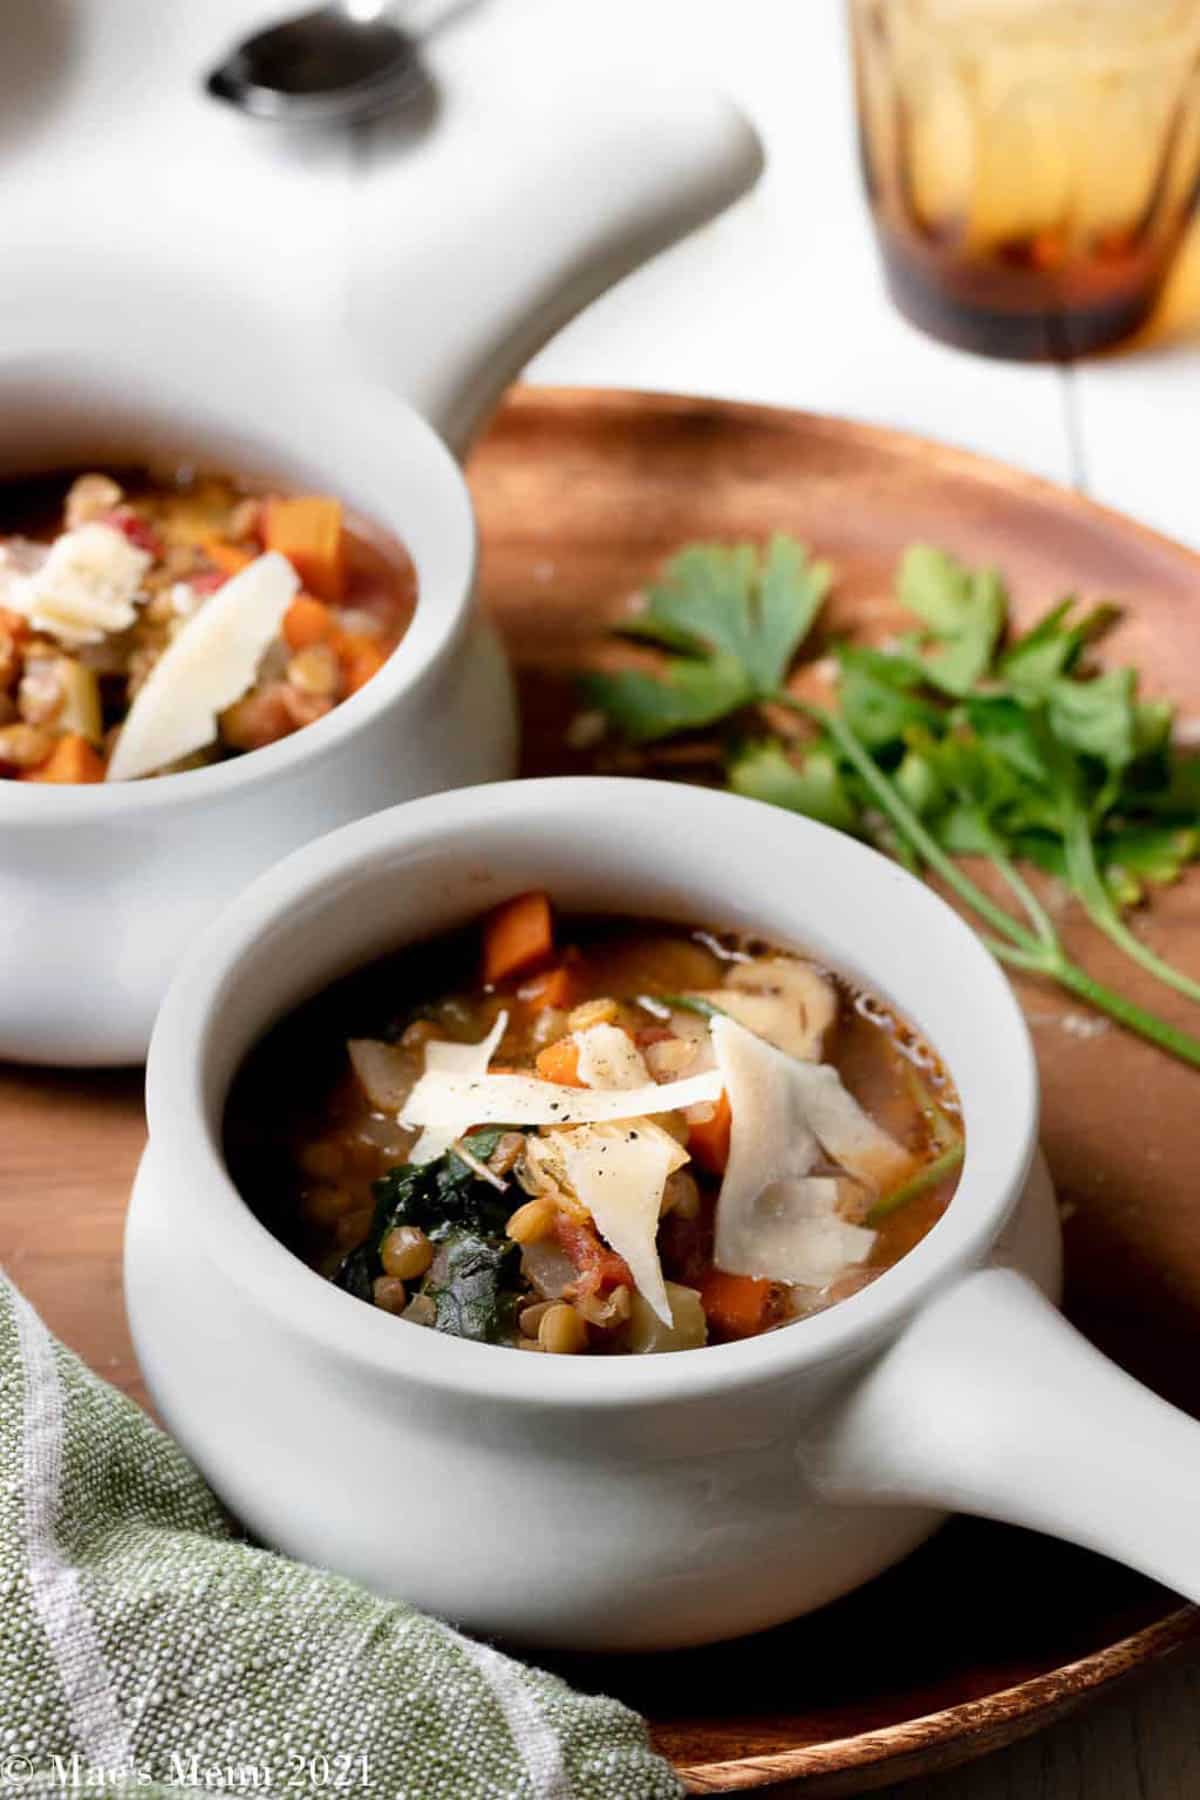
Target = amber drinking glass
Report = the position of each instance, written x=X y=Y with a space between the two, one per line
x=1031 y=164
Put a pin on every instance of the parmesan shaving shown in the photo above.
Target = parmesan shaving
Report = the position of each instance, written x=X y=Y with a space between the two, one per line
x=467 y=1060
x=801 y=1237
x=85 y=588
x=618 y=1172
x=846 y=1133
x=206 y=667
x=775 y=1219
x=452 y=1101
x=609 y=1058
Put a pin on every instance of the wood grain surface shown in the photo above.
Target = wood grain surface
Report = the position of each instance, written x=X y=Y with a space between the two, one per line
x=986 y=1633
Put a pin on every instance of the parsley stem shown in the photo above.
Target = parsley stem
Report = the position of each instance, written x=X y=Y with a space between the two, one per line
x=906 y=821
x=1088 y=883
x=1040 y=918
x=691 y=1003
x=920 y=1183
x=1136 y=1018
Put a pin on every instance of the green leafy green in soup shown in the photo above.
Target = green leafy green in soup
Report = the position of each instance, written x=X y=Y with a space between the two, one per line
x=596 y=1135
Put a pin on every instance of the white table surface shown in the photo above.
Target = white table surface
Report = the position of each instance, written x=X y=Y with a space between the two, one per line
x=105 y=140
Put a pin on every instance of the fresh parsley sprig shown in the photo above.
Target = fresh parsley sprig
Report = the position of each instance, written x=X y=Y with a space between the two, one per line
x=959 y=739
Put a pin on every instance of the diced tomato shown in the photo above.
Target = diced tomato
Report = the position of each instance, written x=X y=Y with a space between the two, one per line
x=599 y=1267
x=139 y=531
x=208 y=582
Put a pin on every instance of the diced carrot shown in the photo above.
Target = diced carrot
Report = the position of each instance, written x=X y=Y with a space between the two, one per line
x=708 y=1139
x=307 y=622
x=555 y=988
x=231 y=559
x=517 y=936
x=307 y=529
x=360 y=657
x=72 y=759
x=735 y=1304
x=14 y=625
x=560 y=1062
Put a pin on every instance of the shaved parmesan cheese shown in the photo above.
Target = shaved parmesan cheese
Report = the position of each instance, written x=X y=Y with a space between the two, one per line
x=800 y=1236
x=618 y=1172
x=694 y=1031
x=467 y=1060
x=769 y=1142
x=208 y=666
x=452 y=1101
x=848 y=1135
x=772 y=1221
x=84 y=588
x=817 y=1096
x=782 y=999
x=609 y=1058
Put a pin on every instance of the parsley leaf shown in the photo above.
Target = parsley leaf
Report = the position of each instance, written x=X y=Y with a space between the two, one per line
x=948 y=742
x=733 y=619
x=811 y=784
x=687 y=696
x=879 y=696
x=963 y=609
x=1052 y=647
x=1096 y=717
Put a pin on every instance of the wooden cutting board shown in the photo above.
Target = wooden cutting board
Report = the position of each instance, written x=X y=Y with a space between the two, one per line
x=986 y=1633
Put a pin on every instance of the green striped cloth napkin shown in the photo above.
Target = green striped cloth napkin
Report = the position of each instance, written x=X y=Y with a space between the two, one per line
x=145 y=1648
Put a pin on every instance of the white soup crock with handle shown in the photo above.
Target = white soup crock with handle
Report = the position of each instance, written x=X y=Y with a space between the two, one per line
x=103 y=888
x=638 y=1502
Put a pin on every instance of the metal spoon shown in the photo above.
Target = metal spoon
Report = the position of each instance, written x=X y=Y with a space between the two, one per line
x=344 y=61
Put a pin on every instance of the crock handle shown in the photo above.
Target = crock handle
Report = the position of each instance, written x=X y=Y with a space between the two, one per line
x=475 y=246
x=991 y=1403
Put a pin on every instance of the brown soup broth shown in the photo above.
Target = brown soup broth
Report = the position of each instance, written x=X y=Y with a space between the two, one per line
x=304 y=1144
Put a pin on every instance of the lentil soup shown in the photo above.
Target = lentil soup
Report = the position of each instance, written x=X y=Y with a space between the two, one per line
x=595 y=1135
x=151 y=623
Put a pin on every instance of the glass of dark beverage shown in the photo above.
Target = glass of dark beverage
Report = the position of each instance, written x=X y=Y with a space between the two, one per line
x=1031 y=164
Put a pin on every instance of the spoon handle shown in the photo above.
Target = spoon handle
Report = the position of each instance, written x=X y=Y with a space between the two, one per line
x=476 y=245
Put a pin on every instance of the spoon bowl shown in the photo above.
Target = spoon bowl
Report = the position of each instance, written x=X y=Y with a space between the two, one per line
x=338 y=63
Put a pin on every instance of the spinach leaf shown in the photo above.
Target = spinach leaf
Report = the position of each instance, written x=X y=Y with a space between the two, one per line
x=438 y=1196
x=474 y=1285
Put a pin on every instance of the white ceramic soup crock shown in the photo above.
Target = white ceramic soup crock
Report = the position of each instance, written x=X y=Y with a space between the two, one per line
x=103 y=888
x=655 y=1501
